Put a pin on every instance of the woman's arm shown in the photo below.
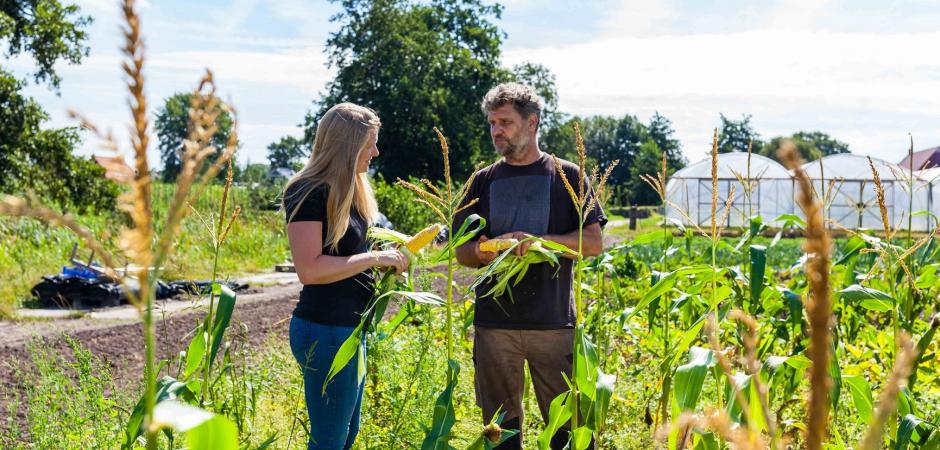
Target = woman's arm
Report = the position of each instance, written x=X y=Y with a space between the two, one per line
x=313 y=267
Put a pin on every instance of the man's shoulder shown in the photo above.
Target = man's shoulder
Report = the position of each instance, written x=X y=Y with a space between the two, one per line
x=486 y=173
x=568 y=166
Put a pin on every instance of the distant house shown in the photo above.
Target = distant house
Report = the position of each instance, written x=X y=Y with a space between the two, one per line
x=924 y=159
x=279 y=173
x=115 y=168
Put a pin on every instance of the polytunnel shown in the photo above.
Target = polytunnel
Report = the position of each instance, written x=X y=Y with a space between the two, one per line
x=844 y=181
x=847 y=185
x=689 y=190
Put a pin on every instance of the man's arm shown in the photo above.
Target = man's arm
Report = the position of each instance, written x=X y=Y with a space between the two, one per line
x=592 y=240
x=469 y=254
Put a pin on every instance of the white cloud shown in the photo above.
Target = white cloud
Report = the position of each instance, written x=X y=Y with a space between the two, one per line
x=787 y=80
x=637 y=17
x=303 y=69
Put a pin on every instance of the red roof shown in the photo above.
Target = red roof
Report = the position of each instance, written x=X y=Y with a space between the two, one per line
x=923 y=159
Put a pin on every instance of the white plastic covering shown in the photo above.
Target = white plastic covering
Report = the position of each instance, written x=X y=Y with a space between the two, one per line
x=690 y=190
x=848 y=185
x=845 y=180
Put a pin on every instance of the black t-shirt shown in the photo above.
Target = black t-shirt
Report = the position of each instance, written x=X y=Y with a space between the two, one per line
x=531 y=199
x=340 y=303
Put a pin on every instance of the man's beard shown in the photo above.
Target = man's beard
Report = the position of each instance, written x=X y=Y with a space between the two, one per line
x=510 y=150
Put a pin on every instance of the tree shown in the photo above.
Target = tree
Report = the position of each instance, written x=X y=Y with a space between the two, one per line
x=419 y=65
x=288 y=152
x=735 y=136
x=661 y=132
x=543 y=81
x=171 y=126
x=811 y=145
x=37 y=160
x=47 y=30
x=807 y=150
x=255 y=173
x=648 y=161
x=826 y=144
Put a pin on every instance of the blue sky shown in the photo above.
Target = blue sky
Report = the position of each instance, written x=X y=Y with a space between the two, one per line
x=866 y=72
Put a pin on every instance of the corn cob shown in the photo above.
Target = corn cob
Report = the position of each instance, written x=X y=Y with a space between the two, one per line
x=497 y=245
x=423 y=238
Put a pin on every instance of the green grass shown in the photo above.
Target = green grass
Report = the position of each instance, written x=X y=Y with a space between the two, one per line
x=30 y=249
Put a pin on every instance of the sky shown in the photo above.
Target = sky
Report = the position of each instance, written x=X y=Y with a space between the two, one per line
x=867 y=72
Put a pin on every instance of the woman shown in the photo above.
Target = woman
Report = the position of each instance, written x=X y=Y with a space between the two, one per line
x=329 y=207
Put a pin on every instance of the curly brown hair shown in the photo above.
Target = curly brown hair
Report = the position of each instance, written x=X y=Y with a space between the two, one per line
x=523 y=98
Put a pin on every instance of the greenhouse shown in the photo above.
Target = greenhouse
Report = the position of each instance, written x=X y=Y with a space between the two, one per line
x=844 y=181
x=690 y=190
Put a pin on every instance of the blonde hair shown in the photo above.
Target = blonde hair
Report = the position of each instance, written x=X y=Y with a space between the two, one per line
x=343 y=133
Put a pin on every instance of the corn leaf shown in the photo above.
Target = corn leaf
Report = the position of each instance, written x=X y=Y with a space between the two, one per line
x=861 y=395
x=758 y=268
x=559 y=413
x=195 y=353
x=439 y=433
x=347 y=350
x=690 y=377
x=204 y=430
x=223 y=315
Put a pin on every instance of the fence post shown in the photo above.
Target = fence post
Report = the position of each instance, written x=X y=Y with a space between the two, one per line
x=633 y=215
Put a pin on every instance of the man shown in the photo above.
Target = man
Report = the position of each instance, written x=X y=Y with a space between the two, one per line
x=521 y=195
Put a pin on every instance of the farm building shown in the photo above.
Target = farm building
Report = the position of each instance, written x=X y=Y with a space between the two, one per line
x=924 y=159
x=844 y=181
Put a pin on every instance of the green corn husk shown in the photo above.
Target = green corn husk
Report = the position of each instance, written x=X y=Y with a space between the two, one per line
x=511 y=268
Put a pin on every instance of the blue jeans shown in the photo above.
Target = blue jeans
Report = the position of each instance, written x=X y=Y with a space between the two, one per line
x=334 y=416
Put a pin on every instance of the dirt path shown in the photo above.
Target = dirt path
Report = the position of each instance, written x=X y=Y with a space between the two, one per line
x=120 y=342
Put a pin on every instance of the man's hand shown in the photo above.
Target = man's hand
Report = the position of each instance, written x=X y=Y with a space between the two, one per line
x=520 y=236
x=484 y=257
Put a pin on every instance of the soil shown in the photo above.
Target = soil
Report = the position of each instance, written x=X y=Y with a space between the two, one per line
x=120 y=343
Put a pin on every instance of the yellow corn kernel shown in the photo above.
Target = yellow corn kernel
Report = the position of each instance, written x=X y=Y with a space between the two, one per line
x=497 y=245
x=423 y=238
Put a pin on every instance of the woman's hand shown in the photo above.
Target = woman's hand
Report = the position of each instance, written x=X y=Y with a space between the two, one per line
x=391 y=258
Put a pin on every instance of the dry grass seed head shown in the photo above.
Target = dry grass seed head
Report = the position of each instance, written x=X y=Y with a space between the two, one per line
x=887 y=401
x=564 y=178
x=582 y=157
x=714 y=162
x=19 y=207
x=711 y=332
x=819 y=307
x=880 y=195
x=445 y=153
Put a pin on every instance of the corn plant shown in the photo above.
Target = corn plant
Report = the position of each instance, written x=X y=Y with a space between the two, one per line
x=586 y=402
x=446 y=203
x=148 y=249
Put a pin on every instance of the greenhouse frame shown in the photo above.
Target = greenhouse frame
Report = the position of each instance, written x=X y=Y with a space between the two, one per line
x=764 y=187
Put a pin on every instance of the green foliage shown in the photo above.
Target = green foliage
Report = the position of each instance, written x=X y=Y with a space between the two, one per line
x=661 y=132
x=606 y=138
x=543 y=81
x=47 y=30
x=418 y=64
x=811 y=145
x=68 y=402
x=288 y=152
x=171 y=125
x=401 y=206
x=38 y=160
x=737 y=135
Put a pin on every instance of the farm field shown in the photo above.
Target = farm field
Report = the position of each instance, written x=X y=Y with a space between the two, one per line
x=784 y=332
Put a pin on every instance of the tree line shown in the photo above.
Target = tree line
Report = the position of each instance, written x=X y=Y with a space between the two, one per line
x=418 y=64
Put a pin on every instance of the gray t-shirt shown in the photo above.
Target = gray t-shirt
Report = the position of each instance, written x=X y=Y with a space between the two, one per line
x=531 y=199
